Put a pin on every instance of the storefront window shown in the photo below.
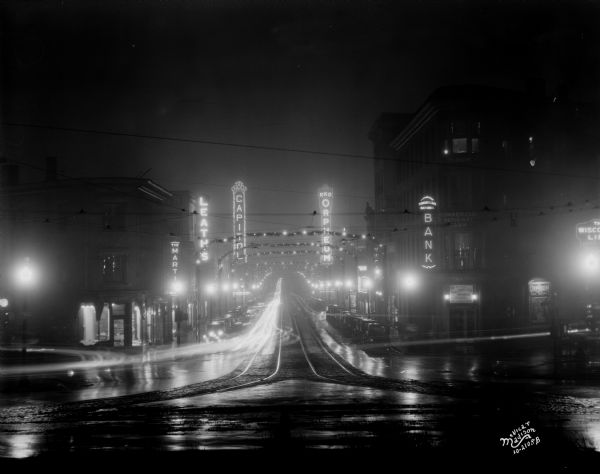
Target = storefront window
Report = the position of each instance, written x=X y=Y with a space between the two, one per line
x=463 y=257
x=459 y=145
x=113 y=268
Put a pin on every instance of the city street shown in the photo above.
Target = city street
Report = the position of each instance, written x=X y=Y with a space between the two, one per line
x=358 y=231
x=292 y=389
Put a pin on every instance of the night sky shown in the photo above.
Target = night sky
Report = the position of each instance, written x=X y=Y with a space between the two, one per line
x=291 y=74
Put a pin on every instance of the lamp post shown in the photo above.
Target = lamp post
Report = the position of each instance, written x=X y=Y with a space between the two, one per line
x=338 y=284
x=348 y=285
x=26 y=277
x=176 y=290
x=368 y=285
x=409 y=282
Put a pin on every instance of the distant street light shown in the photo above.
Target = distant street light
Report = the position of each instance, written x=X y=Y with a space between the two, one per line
x=26 y=278
x=177 y=288
x=590 y=264
x=410 y=281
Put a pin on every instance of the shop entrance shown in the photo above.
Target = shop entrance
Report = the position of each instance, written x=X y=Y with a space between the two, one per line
x=462 y=322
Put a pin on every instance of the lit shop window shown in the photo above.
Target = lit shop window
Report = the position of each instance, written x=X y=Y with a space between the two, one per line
x=459 y=145
x=113 y=268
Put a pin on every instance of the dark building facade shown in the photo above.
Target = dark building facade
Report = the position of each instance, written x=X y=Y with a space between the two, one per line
x=477 y=199
x=102 y=250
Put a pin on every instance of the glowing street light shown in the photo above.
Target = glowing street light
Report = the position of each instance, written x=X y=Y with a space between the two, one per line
x=26 y=279
x=26 y=275
x=210 y=289
x=590 y=264
x=410 y=281
x=177 y=287
x=348 y=284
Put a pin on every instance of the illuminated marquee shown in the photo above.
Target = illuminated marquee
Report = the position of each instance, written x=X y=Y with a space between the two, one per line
x=239 y=221
x=174 y=258
x=203 y=205
x=427 y=204
x=325 y=201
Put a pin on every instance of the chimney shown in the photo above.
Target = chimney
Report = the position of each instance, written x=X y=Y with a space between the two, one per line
x=51 y=168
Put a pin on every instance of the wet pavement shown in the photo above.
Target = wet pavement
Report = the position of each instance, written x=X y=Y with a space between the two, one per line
x=293 y=385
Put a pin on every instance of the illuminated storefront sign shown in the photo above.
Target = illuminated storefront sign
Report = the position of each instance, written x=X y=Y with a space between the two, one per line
x=239 y=221
x=203 y=205
x=174 y=258
x=325 y=202
x=462 y=294
x=589 y=231
x=427 y=204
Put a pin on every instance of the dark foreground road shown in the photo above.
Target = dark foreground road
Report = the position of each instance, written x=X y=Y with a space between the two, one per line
x=293 y=391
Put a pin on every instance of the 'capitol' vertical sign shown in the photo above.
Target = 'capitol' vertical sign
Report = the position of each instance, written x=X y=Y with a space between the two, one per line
x=325 y=202
x=427 y=205
x=239 y=221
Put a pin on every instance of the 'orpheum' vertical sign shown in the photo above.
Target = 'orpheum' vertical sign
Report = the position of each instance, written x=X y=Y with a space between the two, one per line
x=427 y=205
x=239 y=222
x=203 y=208
x=325 y=202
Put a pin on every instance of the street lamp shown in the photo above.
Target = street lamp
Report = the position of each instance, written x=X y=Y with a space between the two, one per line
x=348 y=285
x=26 y=278
x=590 y=264
x=368 y=284
x=177 y=288
x=410 y=281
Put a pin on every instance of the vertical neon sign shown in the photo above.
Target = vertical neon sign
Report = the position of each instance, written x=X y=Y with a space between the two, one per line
x=325 y=204
x=174 y=259
x=203 y=205
x=427 y=204
x=239 y=221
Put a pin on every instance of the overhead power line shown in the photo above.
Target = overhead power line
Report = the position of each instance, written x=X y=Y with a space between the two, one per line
x=303 y=151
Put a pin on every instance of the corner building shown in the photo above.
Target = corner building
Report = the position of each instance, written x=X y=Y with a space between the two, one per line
x=477 y=195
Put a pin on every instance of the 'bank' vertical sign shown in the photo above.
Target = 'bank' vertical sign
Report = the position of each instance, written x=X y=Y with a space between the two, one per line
x=239 y=222
x=325 y=203
x=427 y=205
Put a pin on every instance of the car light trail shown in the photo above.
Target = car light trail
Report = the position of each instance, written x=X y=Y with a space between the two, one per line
x=253 y=340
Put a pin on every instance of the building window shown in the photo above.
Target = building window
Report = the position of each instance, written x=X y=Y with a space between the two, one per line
x=113 y=268
x=463 y=257
x=114 y=217
x=459 y=145
x=475 y=145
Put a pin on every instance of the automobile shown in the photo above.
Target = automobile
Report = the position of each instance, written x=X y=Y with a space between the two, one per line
x=215 y=331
